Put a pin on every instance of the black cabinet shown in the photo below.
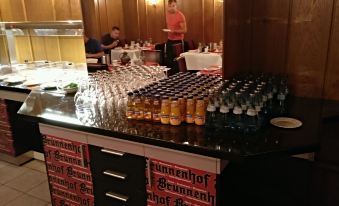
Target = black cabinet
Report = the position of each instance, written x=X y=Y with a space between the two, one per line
x=118 y=178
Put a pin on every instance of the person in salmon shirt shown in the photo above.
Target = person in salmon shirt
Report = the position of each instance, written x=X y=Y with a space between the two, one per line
x=176 y=29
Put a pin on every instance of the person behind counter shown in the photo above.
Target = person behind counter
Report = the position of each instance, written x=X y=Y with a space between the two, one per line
x=176 y=29
x=93 y=48
x=111 y=40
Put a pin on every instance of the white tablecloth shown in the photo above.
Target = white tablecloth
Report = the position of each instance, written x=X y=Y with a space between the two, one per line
x=133 y=53
x=199 y=61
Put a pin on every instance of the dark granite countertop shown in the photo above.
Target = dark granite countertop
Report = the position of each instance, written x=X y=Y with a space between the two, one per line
x=15 y=88
x=59 y=110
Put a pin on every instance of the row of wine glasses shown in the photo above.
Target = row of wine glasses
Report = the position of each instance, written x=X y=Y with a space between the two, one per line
x=102 y=97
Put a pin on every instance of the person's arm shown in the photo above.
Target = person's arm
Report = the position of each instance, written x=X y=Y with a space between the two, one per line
x=98 y=51
x=96 y=55
x=111 y=46
x=182 y=30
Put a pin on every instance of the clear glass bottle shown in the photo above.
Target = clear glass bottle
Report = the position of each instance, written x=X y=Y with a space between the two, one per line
x=238 y=123
x=224 y=120
x=211 y=115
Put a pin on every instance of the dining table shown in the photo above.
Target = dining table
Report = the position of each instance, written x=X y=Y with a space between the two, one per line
x=201 y=60
x=133 y=53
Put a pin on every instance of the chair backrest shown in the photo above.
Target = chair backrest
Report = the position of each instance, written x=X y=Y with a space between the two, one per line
x=151 y=56
x=178 y=49
x=182 y=65
x=191 y=45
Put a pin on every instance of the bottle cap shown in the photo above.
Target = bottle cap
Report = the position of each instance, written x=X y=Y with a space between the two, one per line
x=237 y=110
x=211 y=108
x=251 y=112
x=224 y=109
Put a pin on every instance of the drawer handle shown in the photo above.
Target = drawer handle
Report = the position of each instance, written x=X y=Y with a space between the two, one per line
x=117 y=196
x=112 y=152
x=115 y=174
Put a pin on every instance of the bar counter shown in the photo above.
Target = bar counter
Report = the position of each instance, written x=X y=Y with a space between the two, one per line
x=59 y=110
x=120 y=156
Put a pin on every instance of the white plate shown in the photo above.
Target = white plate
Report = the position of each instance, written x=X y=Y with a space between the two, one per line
x=13 y=80
x=286 y=122
x=166 y=30
x=32 y=83
x=2 y=78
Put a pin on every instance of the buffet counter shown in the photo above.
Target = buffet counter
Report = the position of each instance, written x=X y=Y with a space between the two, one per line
x=179 y=164
x=21 y=140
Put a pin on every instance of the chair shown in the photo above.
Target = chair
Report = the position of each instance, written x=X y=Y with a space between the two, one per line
x=178 y=50
x=191 y=45
x=151 y=57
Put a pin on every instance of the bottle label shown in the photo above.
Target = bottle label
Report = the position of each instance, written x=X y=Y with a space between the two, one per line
x=156 y=103
x=264 y=98
x=251 y=112
x=199 y=120
x=156 y=116
x=281 y=97
x=148 y=115
x=189 y=118
x=130 y=113
x=175 y=120
x=257 y=108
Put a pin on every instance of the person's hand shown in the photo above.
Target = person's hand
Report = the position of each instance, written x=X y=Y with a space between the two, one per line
x=167 y=30
x=115 y=43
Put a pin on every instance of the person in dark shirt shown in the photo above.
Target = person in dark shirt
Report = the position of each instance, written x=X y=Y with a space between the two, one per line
x=111 y=40
x=93 y=48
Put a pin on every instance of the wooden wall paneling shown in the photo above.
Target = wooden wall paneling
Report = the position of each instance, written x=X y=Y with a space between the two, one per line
x=52 y=48
x=12 y=10
x=131 y=20
x=62 y=10
x=72 y=49
x=237 y=36
x=76 y=12
x=142 y=19
x=156 y=21
x=218 y=21
x=43 y=12
x=103 y=19
x=193 y=11
x=115 y=16
x=308 y=45
x=38 y=48
x=23 y=49
x=4 y=58
x=269 y=35
x=90 y=18
x=208 y=20
x=331 y=86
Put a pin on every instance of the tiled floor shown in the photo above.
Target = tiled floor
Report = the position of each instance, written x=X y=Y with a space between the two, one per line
x=24 y=186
